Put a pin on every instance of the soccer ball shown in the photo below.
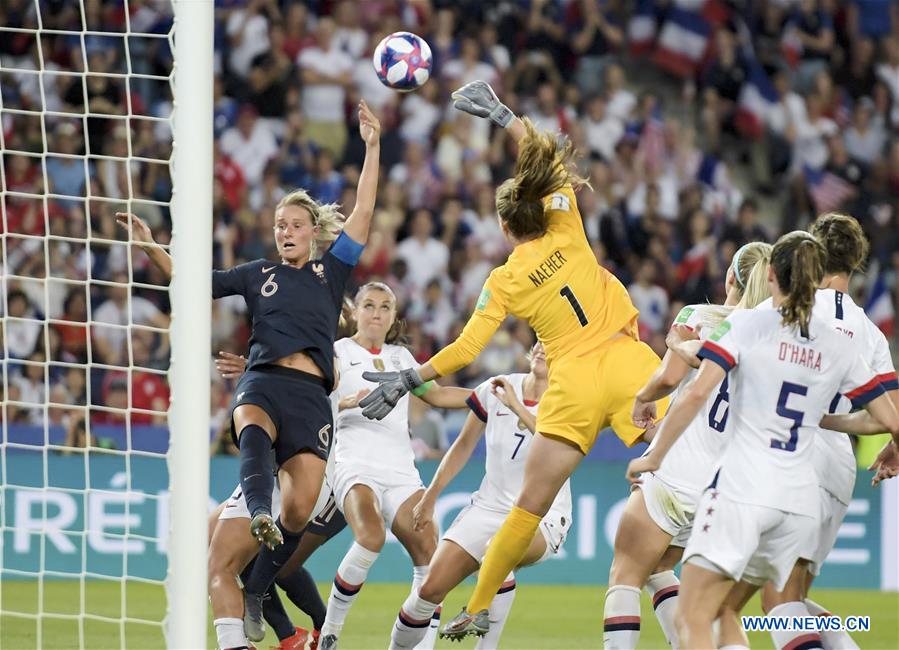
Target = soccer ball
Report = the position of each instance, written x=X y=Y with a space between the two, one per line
x=403 y=61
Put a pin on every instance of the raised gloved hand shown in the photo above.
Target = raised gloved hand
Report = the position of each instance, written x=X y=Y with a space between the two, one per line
x=477 y=98
x=391 y=388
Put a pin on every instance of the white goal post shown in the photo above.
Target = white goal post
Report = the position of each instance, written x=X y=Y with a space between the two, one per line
x=191 y=305
x=101 y=502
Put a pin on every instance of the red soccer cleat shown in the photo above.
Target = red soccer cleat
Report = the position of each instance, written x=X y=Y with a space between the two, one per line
x=315 y=635
x=295 y=642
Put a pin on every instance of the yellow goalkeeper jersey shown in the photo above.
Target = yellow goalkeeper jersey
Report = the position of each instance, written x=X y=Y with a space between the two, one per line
x=554 y=283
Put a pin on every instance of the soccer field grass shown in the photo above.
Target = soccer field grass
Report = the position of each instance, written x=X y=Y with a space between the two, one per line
x=544 y=616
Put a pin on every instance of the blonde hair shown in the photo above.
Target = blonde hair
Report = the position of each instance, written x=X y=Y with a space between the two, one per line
x=545 y=164
x=324 y=215
x=750 y=266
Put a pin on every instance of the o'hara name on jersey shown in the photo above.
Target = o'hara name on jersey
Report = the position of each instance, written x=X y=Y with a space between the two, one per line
x=547 y=268
x=800 y=355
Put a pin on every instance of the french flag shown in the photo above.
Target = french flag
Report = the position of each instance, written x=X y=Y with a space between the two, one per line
x=879 y=306
x=757 y=97
x=791 y=46
x=828 y=191
x=682 y=42
x=641 y=28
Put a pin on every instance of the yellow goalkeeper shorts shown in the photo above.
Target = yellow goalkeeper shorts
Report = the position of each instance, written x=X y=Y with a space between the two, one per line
x=588 y=393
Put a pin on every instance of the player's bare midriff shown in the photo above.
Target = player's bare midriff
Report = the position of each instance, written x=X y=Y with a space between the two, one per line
x=300 y=361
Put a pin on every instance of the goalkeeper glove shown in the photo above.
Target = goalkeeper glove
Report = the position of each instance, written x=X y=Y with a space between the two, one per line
x=477 y=98
x=391 y=388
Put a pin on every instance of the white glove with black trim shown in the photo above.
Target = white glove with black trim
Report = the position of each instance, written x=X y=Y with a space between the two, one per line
x=477 y=98
x=391 y=388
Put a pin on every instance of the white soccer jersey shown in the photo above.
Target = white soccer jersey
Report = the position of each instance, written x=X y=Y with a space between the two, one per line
x=786 y=384
x=833 y=456
x=691 y=462
x=381 y=445
x=508 y=441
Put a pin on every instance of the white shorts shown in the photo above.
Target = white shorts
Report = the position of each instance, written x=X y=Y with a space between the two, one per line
x=392 y=489
x=236 y=505
x=748 y=542
x=833 y=511
x=475 y=526
x=672 y=511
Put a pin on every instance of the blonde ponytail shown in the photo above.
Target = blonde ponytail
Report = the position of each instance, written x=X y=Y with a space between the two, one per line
x=751 y=272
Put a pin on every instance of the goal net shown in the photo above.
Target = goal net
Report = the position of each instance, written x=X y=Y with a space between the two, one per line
x=87 y=464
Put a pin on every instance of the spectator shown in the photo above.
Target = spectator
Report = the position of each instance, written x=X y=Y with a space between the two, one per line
x=865 y=139
x=326 y=72
x=434 y=312
x=650 y=299
x=349 y=36
x=113 y=320
x=23 y=327
x=601 y=131
x=812 y=29
x=426 y=256
x=66 y=173
x=888 y=73
x=248 y=34
x=250 y=144
x=747 y=227
x=429 y=441
x=596 y=35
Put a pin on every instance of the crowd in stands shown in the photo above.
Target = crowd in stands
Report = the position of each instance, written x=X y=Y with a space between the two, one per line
x=703 y=125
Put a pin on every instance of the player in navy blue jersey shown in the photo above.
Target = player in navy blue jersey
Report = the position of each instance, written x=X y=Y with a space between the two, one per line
x=281 y=402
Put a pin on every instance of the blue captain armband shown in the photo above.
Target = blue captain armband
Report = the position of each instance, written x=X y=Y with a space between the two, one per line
x=346 y=249
x=424 y=388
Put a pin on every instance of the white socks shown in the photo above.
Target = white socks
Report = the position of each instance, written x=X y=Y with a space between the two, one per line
x=350 y=577
x=419 y=573
x=793 y=638
x=831 y=640
x=500 y=607
x=229 y=633
x=621 y=618
x=412 y=622
x=663 y=588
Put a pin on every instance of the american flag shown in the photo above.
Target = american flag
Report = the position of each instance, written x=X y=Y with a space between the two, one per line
x=828 y=191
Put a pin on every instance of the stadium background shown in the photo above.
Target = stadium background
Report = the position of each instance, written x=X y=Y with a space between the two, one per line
x=703 y=125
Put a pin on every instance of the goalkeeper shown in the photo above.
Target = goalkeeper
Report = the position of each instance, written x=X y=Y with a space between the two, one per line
x=581 y=313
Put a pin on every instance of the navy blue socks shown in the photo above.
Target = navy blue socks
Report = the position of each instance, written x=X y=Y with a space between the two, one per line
x=257 y=477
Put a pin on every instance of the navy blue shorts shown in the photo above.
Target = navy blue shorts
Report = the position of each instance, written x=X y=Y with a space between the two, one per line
x=297 y=404
x=329 y=521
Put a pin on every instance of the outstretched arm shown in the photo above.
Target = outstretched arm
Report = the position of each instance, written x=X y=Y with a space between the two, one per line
x=359 y=221
x=141 y=237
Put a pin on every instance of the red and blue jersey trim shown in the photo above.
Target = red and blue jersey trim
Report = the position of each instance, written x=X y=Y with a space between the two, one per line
x=864 y=394
x=717 y=354
x=476 y=407
x=889 y=381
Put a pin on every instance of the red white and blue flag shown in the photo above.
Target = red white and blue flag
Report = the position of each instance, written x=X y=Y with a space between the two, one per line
x=757 y=97
x=683 y=41
x=641 y=28
x=879 y=305
x=828 y=191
